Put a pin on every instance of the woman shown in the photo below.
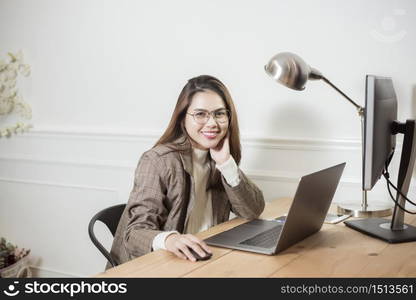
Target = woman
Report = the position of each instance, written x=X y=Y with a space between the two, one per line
x=189 y=181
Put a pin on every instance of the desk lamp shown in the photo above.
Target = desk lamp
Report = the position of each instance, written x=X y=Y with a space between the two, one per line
x=293 y=72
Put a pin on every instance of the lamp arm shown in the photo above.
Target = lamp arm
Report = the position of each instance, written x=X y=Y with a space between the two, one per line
x=359 y=108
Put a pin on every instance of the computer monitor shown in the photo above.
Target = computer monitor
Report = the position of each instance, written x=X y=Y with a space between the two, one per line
x=379 y=115
x=379 y=141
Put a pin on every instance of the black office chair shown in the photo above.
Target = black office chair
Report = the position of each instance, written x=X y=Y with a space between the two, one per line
x=110 y=216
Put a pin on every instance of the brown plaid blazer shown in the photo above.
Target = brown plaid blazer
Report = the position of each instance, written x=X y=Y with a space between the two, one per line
x=162 y=199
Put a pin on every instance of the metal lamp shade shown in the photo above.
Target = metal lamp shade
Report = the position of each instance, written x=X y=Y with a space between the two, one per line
x=291 y=70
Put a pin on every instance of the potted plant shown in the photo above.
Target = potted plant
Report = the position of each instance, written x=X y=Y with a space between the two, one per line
x=13 y=260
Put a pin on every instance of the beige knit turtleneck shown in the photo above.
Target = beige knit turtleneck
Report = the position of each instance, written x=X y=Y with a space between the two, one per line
x=200 y=217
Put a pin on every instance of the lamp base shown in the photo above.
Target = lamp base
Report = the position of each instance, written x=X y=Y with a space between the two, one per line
x=371 y=211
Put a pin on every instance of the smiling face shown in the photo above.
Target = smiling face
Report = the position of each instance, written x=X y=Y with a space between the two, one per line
x=208 y=135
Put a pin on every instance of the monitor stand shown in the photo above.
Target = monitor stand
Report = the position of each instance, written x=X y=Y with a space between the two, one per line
x=381 y=228
x=395 y=231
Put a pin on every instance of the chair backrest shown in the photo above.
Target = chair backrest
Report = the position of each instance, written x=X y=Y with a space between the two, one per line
x=110 y=216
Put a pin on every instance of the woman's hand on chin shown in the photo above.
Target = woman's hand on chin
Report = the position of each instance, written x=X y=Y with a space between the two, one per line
x=221 y=153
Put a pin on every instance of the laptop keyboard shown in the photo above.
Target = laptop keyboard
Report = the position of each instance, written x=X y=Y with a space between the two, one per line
x=265 y=239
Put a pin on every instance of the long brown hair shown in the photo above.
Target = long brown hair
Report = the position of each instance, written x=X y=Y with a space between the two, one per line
x=176 y=127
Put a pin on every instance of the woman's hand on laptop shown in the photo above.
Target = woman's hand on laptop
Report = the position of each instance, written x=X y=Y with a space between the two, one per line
x=179 y=244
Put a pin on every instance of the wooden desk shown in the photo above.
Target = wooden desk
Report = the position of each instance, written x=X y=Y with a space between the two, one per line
x=335 y=251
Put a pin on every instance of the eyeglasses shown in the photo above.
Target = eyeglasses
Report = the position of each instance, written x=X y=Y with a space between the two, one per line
x=202 y=116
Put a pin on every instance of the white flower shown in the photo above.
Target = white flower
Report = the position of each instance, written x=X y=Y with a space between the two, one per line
x=4 y=132
x=24 y=70
x=10 y=99
x=6 y=107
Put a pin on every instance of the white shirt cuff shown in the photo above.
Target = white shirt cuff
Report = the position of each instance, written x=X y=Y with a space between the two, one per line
x=229 y=170
x=159 y=240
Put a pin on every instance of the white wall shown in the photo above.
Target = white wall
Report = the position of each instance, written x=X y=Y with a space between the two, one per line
x=106 y=76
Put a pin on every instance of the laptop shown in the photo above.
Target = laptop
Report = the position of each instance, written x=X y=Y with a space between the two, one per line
x=305 y=217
